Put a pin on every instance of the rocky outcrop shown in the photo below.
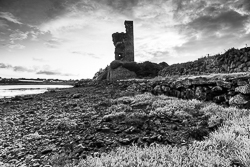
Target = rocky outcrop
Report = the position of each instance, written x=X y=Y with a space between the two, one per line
x=233 y=60
x=120 y=73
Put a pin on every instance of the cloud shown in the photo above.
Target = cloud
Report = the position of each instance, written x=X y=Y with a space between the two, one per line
x=47 y=72
x=36 y=70
x=121 y=6
x=16 y=68
x=22 y=69
x=34 y=35
x=3 y=24
x=9 y=17
x=15 y=46
x=86 y=54
x=38 y=59
x=229 y=21
x=18 y=36
x=53 y=43
x=2 y=65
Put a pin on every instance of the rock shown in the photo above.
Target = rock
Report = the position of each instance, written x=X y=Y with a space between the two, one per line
x=77 y=95
x=124 y=141
x=243 y=89
x=241 y=82
x=224 y=84
x=46 y=151
x=157 y=89
x=33 y=136
x=132 y=130
x=119 y=74
x=104 y=129
x=79 y=149
x=217 y=90
x=190 y=94
x=200 y=93
x=17 y=98
x=239 y=100
x=219 y=99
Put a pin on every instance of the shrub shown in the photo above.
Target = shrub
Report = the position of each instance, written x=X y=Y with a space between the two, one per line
x=131 y=66
x=115 y=64
x=148 y=69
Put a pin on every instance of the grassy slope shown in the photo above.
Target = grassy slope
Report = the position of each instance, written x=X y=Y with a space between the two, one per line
x=229 y=144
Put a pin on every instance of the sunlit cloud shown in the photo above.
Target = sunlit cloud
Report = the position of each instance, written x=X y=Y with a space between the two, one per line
x=16 y=46
x=53 y=73
x=15 y=68
x=18 y=36
x=53 y=43
x=9 y=17
x=38 y=59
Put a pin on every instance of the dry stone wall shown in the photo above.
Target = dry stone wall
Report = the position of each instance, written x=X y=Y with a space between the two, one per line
x=227 y=91
x=233 y=60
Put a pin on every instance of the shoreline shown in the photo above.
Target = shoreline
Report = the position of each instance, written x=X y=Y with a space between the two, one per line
x=78 y=122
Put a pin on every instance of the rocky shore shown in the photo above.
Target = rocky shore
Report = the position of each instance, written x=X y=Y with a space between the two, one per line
x=69 y=124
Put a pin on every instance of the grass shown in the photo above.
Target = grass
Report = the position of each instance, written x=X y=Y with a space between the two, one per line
x=227 y=145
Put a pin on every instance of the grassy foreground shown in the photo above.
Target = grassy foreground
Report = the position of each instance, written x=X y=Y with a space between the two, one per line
x=227 y=146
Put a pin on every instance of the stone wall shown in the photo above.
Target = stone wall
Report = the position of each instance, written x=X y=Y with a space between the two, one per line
x=119 y=73
x=233 y=60
x=229 y=91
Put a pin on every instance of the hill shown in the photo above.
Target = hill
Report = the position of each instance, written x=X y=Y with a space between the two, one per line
x=233 y=60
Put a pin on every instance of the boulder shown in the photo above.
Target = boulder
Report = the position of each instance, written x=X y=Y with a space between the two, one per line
x=200 y=93
x=243 y=89
x=224 y=84
x=239 y=100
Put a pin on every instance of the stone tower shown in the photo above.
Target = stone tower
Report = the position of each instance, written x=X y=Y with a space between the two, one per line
x=124 y=43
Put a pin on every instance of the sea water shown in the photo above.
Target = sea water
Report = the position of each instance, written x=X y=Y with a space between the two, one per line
x=7 y=91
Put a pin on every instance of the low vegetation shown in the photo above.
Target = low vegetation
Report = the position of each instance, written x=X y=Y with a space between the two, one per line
x=229 y=145
x=143 y=129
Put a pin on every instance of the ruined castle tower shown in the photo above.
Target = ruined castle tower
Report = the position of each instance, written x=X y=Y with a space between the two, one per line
x=124 y=43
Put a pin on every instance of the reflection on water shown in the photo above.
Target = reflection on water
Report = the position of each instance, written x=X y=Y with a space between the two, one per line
x=7 y=91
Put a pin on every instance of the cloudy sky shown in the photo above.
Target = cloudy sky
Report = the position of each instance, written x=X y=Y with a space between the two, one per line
x=71 y=39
